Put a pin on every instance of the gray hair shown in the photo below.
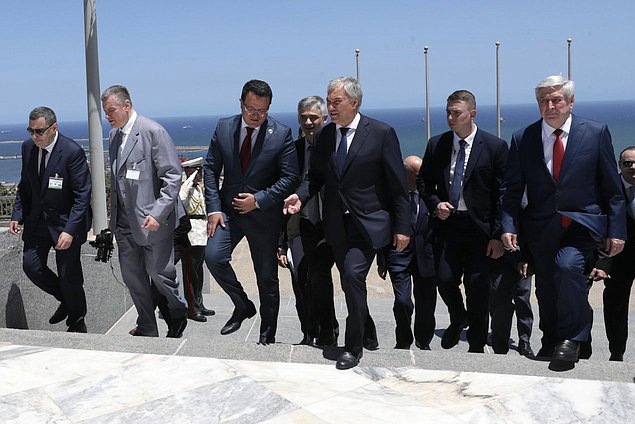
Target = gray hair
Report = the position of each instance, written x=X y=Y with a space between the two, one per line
x=351 y=87
x=557 y=81
x=119 y=92
x=43 y=112
x=312 y=102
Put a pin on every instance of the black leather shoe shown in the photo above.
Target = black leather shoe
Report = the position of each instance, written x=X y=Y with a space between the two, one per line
x=524 y=348
x=452 y=335
x=176 y=327
x=585 y=350
x=423 y=346
x=207 y=312
x=266 y=340
x=236 y=321
x=348 y=360
x=371 y=344
x=197 y=317
x=618 y=357
x=567 y=351
x=59 y=315
x=476 y=350
x=307 y=341
x=78 y=327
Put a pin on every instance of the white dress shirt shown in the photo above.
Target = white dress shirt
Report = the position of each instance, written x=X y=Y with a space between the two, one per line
x=455 y=153
x=549 y=139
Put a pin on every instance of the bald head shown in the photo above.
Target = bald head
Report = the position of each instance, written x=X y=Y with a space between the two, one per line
x=412 y=164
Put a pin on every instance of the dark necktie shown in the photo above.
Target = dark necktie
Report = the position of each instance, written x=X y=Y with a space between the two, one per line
x=414 y=206
x=558 y=156
x=340 y=155
x=245 y=150
x=42 y=165
x=117 y=144
x=455 y=190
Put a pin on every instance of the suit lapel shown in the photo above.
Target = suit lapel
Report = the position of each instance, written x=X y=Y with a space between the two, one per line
x=236 y=126
x=446 y=144
x=132 y=140
x=475 y=152
x=54 y=158
x=576 y=135
x=299 y=149
x=537 y=150
x=358 y=141
x=266 y=129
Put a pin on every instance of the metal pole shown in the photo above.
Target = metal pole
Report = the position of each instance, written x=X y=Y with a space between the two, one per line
x=569 y=40
x=425 y=52
x=357 y=63
x=498 y=97
x=95 y=134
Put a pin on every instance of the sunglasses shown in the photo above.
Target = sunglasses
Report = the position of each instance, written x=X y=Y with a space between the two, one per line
x=627 y=163
x=39 y=131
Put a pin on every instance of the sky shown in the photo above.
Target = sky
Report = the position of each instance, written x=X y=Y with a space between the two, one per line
x=191 y=57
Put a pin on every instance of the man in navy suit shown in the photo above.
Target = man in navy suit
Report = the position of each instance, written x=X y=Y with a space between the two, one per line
x=460 y=183
x=260 y=165
x=413 y=266
x=575 y=201
x=53 y=203
x=311 y=257
x=358 y=162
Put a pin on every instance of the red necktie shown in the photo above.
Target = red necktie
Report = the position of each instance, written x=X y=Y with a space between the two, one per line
x=245 y=150
x=558 y=156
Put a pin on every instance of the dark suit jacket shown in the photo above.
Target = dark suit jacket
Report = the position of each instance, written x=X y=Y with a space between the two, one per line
x=372 y=186
x=64 y=210
x=271 y=176
x=481 y=181
x=588 y=191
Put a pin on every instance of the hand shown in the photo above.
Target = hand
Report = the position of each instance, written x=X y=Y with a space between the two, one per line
x=495 y=249
x=189 y=182
x=244 y=203
x=64 y=241
x=400 y=242
x=213 y=221
x=14 y=227
x=382 y=271
x=510 y=241
x=444 y=209
x=283 y=261
x=523 y=269
x=150 y=223
x=598 y=274
x=613 y=246
x=292 y=204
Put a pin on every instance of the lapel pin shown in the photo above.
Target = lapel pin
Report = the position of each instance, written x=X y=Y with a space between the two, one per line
x=270 y=130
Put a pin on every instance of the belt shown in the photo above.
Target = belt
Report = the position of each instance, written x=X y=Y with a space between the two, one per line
x=198 y=217
x=460 y=213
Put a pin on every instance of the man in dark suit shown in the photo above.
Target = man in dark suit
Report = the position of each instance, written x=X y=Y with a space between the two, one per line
x=575 y=201
x=53 y=203
x=145 y=181
x=617 y=288
x=303 y=236
x=460 y=183
x=413 y=266
x=257 y=155
x=358 y=162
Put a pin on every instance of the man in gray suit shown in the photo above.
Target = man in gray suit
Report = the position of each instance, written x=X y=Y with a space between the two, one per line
x=258 y=158
x=145 y=180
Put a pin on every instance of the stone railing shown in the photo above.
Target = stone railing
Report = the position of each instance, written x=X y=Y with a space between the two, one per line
x=6 y=207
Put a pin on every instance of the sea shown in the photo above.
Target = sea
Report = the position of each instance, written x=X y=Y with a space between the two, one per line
x=192 y=134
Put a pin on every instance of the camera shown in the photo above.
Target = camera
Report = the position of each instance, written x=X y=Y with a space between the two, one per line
x=103 y=244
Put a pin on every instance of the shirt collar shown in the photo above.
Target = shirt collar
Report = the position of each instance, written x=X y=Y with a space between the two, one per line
x=353 y=125
x=244 y=125
x=49 y=148
x=548 y=129
x=128 y=127
x=469 y=139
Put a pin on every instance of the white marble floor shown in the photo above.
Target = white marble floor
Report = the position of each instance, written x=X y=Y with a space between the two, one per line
x=54 y=385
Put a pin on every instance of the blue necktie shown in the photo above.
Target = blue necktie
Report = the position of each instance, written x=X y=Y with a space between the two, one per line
x=455 y=190
x=340 y=155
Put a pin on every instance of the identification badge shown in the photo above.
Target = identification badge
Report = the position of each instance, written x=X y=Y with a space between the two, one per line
x=56 y=182
x=133 y=174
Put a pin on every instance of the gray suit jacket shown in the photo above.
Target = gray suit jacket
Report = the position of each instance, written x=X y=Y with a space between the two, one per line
x=150 y=150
